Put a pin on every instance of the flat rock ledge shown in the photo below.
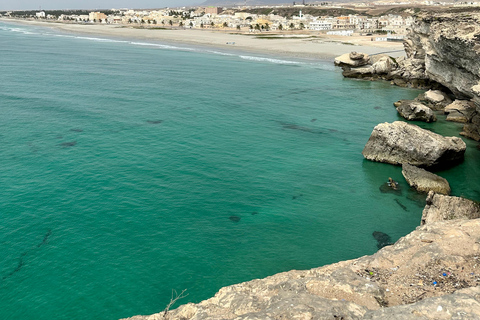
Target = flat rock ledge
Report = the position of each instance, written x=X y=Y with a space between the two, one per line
x=440 y=207
x=399 y=142
x=425 y=181
x=432 y=273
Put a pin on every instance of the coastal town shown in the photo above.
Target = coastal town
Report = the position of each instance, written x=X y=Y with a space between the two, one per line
x=326 y=18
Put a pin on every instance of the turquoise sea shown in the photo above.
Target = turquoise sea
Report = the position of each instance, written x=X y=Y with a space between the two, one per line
x=131 y=169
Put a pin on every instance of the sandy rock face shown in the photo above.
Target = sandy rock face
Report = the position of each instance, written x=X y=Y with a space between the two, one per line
x=425 y=181
x=415 y=111
x=460 y=111
x=435 y=265
x=400 y=142
x=440 y=207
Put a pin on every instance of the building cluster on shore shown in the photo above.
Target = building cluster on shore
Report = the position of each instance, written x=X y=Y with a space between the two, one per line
x=218 y=18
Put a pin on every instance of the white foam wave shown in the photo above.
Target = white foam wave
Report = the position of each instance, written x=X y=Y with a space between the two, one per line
x=100 y=39
x=271 y=60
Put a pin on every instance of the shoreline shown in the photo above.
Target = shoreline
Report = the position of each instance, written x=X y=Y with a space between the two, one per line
x=312 y=45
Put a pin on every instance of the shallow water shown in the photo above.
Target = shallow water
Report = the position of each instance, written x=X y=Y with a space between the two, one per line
x=130 y=169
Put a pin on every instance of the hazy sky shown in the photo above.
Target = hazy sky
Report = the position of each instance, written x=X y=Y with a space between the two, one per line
x=92 y=4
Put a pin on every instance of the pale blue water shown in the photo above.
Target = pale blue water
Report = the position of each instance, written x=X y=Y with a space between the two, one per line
x=124 y=166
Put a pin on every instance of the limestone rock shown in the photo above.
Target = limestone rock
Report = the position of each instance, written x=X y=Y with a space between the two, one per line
x=415 y=111
x=433 y=266
x=400 y=142
x=434 y=99
x=460 y=111
x=356 y=55
x=384 y=65
x=425 y=181
x=352 y=59
x=360 y=72
x=463 y=304
x=440 y=207
x=446 y=44
x=472 y=129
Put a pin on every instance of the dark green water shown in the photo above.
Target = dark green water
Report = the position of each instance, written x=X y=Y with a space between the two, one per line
x=131 y=169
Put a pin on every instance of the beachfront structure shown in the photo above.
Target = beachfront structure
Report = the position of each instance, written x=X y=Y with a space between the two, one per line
x=319 y=25
x=40 y=14
x=97 y=16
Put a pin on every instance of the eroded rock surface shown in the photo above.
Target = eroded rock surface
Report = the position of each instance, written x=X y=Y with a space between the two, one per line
x=415 y=111
x=460 y=111
x=352 y=59
x=425 y=181
x=400 y=142
x=440 y=207
x=424 y=270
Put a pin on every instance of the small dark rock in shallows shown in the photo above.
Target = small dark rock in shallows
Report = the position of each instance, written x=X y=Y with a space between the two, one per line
x=235 y=218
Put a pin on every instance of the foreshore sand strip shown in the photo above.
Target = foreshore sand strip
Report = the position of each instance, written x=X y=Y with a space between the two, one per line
x=311 y=46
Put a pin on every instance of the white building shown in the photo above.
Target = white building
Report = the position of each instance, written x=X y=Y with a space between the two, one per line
x=319 y=25
x=40 y=14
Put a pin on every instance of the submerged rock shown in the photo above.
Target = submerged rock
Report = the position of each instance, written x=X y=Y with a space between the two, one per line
x=68 y=144
x=235 y=218
x=415 y=111
x=387 y=188
x=425 y=181
x=440 y=207
x=401 y=142
x=383 y=239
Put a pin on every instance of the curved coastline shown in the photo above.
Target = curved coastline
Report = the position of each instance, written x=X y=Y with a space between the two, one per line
x=324 y=48
x=430 y=273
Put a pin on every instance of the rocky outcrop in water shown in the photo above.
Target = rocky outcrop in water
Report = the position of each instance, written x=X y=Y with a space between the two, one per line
x=400 y=142
x=424 y=181
x=432 y=273
x=415 y=111
x=440 y=207
x=460 y=111
x=352 y=59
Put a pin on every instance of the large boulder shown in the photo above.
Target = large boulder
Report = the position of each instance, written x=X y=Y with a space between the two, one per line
x=400 y=142
x=424 y=181
x=415 y=111
x=440 y=207
x=460 y=111
x=352 y=59
x=384 y=65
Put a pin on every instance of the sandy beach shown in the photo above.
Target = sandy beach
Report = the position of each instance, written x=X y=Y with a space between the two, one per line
x=310 y=45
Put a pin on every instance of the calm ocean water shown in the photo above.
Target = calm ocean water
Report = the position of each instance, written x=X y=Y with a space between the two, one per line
x=130 y=169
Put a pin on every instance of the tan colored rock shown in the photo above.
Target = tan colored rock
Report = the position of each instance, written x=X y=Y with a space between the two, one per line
x=460 y=111
x=435 y=96
x=425 y=181
x=440 y=207
x=400 y=142
x=346 y=60
x=384 y=65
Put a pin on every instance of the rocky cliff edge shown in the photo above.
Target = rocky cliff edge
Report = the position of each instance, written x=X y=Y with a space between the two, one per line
x=432 y=273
